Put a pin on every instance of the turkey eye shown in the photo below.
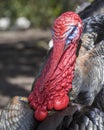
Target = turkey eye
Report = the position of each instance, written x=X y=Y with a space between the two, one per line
x=71 y=34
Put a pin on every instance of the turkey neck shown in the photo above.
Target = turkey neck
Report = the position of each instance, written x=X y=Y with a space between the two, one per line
x=53 y=60
x=60 y=58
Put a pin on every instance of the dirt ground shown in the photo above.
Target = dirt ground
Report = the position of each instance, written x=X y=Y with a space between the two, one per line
x=21 y=54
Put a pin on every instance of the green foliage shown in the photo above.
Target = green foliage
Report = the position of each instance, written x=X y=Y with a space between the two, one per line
x=40 y=12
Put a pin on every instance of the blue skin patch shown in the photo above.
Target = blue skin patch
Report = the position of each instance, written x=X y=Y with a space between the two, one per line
x=52 y=31
x=71 y=33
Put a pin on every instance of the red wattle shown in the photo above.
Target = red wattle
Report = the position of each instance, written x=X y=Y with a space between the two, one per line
x=61 y=103
x=40 y=115
x=54 y=95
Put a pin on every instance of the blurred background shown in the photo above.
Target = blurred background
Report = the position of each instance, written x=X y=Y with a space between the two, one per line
x=24 y=35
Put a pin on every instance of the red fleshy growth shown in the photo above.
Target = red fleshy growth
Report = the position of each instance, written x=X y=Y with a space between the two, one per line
x=61 y=103
x=54 y=94
x=55 y=82
x=40 y=115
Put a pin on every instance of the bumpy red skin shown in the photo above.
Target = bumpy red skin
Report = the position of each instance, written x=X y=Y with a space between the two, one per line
x=55 y=82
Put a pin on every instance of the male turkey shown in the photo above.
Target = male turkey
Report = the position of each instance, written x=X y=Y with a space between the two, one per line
x=65 y=38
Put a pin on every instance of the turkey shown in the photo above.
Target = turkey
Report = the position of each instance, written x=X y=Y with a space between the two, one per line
x=69 y=36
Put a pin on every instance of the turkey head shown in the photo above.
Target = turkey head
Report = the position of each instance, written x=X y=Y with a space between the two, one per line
x=55 y=81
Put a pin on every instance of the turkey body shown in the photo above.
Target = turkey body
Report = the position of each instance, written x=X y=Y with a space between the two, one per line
x=89 y=69
x=86 y=113
x=88 y=74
